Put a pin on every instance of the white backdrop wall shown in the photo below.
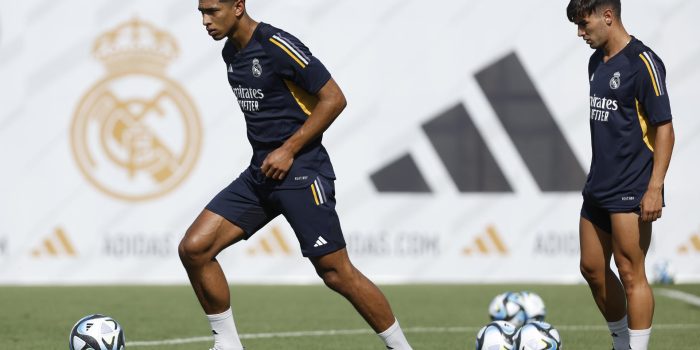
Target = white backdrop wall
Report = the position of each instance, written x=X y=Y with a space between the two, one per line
x=441 y=175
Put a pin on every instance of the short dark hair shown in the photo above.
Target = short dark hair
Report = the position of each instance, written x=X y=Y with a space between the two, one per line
x=581 y=8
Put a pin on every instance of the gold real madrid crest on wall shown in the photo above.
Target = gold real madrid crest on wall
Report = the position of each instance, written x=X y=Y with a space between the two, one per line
x=136 y=133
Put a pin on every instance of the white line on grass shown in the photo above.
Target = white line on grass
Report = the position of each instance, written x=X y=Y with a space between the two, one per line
x=368 y=331
x=691 y=299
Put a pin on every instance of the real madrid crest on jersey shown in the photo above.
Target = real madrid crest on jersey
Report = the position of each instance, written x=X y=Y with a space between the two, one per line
x=136 y=133
x=615 y=81
x=257 y=68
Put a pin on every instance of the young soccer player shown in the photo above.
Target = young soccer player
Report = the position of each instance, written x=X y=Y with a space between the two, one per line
x=288 y=99
x=632 y=139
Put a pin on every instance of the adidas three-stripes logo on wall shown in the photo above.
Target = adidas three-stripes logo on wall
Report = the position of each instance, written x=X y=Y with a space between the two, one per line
x=320 y=241
x=57 y=244
x=467 y=158
x=692 y=245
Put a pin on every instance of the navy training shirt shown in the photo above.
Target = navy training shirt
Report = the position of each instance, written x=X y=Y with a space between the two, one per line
x=275 y=79
x=628 y=99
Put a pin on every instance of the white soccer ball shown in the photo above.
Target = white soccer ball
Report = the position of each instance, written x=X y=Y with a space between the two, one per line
x=537 y=336
x=497 y=335
x=533 y=306
x=97 y=332
x=508 y=306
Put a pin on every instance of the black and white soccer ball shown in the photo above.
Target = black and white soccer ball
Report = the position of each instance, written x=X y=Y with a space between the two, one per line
x=508 y=306
x=497 y=335
x=533 y=305
x=97 y=332
x=537 y=335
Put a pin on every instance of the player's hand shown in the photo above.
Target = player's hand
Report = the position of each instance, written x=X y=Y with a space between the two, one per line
x=651 y=205
x=277 y=163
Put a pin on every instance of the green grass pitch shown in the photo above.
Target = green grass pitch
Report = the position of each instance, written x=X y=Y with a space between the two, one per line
x=434 y=317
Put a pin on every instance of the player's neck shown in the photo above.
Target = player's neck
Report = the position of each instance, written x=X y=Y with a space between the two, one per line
x=243 y=32
x=617 y=41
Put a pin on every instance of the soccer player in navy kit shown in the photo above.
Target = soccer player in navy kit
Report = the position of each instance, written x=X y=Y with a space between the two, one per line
x=632 y=139
x=288 y=99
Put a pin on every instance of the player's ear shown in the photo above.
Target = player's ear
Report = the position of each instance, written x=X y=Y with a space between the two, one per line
x=239 y=7
x=608 y=16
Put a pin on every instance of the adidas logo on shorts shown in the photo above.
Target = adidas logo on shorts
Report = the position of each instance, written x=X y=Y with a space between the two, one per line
x=320 y=241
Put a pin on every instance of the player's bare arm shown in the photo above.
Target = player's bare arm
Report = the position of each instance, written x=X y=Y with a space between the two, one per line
x=331 y=102
x=652 y=201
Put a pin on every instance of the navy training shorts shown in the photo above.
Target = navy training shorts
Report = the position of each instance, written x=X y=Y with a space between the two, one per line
x=309 y=210
x=600 y=217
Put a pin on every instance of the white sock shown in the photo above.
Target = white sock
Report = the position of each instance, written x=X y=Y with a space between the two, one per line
x=394 y=338
x=639 y=338
x=620 y=334
x=224 y=330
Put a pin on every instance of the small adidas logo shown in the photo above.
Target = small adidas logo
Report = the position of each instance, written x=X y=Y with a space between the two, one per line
x=692 y=245
x=230 y=68
x=320 y=241
x=481 y=245
x=271 y=244
x=57 y=244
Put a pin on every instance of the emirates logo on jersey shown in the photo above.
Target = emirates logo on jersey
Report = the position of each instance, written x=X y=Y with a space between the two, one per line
x=615 y=81
x=257 y=68
x=601 y=107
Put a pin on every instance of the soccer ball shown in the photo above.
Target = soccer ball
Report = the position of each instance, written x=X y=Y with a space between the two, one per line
x=497 y=335
x=97 y=332
x=537 y=335
x=508 y=306
x=533 y=306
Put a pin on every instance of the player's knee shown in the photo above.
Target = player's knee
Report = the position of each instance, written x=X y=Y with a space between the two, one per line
x=343 y=281
x=185 y=253
x=338 y=280
x=593 y=273
x=193 y=251
x=630 y=275
x=331 y=278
